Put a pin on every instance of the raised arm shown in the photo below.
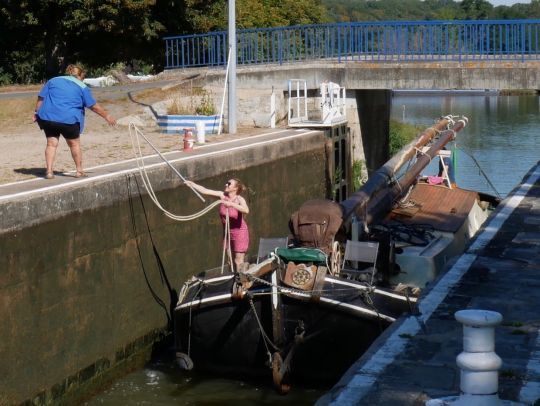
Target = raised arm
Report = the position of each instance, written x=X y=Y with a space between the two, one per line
x=203 y=190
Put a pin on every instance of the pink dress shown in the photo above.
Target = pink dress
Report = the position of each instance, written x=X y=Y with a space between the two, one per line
x=239 y=228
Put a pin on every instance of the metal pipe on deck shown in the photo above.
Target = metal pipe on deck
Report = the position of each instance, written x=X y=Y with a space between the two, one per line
x=425 y=158
x=375 y=196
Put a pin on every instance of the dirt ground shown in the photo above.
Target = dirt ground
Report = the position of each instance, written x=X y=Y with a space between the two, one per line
x=22 y=143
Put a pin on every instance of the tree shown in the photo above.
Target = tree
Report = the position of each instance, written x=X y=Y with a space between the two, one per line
x=534 y=9
x=55 y=33
x=207 y=15
x=476 y=9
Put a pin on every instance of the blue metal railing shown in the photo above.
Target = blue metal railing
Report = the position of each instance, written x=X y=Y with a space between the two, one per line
x=394 y=41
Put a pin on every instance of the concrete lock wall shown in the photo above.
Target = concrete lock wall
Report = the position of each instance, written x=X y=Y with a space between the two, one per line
x=79 y=267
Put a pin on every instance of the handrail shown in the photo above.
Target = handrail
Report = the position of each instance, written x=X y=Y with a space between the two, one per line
x=373 y=41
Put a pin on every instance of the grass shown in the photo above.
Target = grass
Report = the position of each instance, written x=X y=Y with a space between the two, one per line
x=401 y=134
x=513 y=323
x=20 y=88
x=509 y=374
x=357 y=174
x=16 y=112
x=193 y=101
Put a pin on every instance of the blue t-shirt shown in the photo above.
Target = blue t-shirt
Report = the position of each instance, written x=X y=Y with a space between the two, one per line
x=64 y=100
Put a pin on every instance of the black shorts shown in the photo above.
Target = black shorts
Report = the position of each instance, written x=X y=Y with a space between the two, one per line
x=55 y=129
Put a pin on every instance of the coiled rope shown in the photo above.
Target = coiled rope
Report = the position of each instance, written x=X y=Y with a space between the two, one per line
x=135 y=135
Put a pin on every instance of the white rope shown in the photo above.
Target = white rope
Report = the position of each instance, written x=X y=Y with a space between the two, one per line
x=227 y=244
x=420 y=152
x=134 y=134
x=139 y=133
x=450 y=119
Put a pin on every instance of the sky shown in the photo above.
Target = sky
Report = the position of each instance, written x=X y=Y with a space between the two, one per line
x=507 y=2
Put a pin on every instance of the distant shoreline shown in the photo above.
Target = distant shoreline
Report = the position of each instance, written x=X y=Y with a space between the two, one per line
x=465 y=92
x=453 y=92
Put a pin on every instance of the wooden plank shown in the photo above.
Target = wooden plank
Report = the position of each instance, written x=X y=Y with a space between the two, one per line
x=444 y=209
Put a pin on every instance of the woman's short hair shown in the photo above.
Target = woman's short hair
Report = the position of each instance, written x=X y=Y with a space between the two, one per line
x=75 y=70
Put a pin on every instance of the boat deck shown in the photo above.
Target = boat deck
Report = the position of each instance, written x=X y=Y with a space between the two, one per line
x=415 y=359
x=443 y=208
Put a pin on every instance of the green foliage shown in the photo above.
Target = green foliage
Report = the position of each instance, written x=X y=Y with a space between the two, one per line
x=38 y=39
x=476 y=9
x=401 y=134
x=5 y=78
x=390 y=10
x=198 y=102
x=141 y=67
x=42 y=37
x=106 y=70
x=512 y=323
x=204 y=15
x=357 y=174
x=206 y=105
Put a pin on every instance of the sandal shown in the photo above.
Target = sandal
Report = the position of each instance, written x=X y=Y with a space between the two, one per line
x=49 y=175
x=81 y=175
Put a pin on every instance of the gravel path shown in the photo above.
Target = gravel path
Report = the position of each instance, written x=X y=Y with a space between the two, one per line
x=22 y=144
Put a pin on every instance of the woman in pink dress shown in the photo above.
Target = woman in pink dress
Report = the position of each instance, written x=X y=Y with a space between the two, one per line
x=236 y=206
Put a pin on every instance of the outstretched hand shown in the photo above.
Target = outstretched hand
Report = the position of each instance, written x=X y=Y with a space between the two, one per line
x=110 y=119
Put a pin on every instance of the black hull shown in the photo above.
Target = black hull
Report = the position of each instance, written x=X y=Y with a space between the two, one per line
x=224 y=335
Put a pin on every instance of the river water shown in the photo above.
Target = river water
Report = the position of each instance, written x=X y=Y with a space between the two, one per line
x=504 y=139
x=503 y=134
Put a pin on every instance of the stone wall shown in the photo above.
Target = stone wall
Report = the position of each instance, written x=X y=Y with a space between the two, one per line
x=82 y=295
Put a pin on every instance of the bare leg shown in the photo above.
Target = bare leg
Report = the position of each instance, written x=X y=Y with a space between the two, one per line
x=50 y=153
x=239 y=259
x=76 y=153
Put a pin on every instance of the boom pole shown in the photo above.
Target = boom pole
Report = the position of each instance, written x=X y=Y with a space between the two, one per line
x=378 y=194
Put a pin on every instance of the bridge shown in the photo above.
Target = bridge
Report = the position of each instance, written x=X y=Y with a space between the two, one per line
x=458 y=54
x=369 y=59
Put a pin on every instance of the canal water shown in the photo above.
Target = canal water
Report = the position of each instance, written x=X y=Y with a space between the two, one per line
x=502 y=136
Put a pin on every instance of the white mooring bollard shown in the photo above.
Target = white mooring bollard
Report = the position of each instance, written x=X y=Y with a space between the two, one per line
x=201 y=129
x=478 y=362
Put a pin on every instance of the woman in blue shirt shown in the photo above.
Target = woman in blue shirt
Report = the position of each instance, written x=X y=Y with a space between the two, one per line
x=60 y=111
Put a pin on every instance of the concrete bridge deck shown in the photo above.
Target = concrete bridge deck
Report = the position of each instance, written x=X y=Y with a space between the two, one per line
x=415 y=360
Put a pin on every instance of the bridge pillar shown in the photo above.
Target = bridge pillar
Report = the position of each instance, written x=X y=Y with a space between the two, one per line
x=373 y=107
